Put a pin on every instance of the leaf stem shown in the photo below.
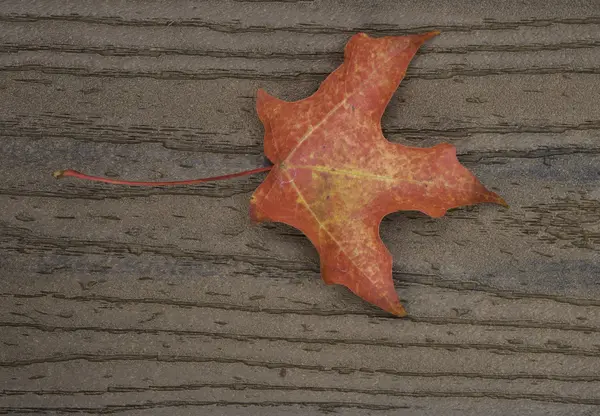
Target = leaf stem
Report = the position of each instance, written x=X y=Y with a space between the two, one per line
x=73 y=173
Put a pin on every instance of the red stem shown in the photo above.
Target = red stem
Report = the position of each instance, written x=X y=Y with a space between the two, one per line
x=69 y=172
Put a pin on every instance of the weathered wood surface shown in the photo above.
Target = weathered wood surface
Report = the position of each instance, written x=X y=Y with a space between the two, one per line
x=169 y=301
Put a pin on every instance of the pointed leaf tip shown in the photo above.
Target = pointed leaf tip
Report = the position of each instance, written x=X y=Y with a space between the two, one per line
x=421 y=38
x=501 y=201
x=494 y=198
x=392 y=306
x=426 y=36
x=399 y=311
x=429 y=35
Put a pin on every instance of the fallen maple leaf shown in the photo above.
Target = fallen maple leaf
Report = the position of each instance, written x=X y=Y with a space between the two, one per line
x=335 y=176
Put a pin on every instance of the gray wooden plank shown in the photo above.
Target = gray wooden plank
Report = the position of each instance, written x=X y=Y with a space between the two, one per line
x=484 y=117
x=548 y=232
x=169 y=301
x=311 y=16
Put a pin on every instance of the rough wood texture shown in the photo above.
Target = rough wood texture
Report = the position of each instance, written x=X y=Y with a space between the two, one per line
x=170 y=302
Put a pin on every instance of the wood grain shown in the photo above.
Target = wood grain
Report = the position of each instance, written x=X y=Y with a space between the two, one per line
x=169 y=301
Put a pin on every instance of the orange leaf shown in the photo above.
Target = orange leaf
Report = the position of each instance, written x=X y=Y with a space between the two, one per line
x=335 y=176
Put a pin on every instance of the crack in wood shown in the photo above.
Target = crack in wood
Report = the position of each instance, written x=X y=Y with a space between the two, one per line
x=251 y=74
x=130 y=51
x=237 y=27
x=560 y=349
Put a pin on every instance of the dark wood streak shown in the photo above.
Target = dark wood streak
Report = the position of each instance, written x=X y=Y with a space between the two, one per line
x=372 y=392
x=239 y=27
x=503 y=348
x=249 y=74
x=113 y=50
